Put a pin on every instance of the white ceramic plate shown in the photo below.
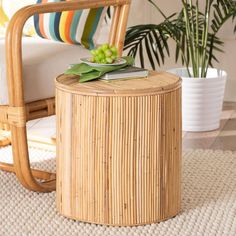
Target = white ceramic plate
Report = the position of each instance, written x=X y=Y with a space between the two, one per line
x=117 y=62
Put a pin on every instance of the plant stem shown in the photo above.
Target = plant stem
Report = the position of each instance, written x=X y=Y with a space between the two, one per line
x=205 y=39
x=188 y=35
x=192 y=40
x=197 y=36
x=172 y=36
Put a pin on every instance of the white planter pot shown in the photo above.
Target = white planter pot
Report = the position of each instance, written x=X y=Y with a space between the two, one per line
x=202 y=99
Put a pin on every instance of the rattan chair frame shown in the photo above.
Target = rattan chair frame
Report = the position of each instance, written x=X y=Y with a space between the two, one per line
x=17 y=113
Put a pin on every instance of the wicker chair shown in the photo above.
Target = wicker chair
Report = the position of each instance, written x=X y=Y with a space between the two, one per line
x=17 y=113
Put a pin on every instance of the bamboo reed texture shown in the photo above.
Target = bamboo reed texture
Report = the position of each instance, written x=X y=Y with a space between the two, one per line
x=119 y=149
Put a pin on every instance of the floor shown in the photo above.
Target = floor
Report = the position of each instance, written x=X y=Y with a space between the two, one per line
x=224 y=138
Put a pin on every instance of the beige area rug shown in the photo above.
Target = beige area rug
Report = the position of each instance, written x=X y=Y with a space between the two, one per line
x=208 y=204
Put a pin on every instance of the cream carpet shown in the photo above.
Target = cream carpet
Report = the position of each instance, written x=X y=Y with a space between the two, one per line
x=208 y=204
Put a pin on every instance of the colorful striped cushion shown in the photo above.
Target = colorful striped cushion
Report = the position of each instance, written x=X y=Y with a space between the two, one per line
x=74 y=27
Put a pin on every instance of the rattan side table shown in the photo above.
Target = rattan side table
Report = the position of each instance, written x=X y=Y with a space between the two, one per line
x=119 y=149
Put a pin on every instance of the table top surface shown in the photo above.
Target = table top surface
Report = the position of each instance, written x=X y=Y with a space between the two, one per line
x=156 y=82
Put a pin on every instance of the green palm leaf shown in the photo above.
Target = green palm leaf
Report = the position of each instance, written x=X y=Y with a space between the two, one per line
x=222 y=11
x=194 y=32
x=153 y=37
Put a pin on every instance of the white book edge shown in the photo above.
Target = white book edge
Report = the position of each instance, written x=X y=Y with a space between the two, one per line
x=128 y=75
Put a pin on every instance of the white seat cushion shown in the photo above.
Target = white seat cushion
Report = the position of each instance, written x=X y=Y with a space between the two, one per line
x=43 y=60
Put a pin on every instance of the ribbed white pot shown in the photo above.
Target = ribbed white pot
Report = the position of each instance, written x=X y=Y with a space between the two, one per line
x=202 y=99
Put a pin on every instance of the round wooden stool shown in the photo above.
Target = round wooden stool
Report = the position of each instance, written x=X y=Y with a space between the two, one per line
x=119 y=149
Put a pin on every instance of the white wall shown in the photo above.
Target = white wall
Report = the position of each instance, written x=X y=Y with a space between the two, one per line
x=142 y=12
x=11 y=6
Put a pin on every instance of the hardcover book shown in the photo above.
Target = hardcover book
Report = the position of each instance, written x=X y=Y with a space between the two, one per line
x=126 y=73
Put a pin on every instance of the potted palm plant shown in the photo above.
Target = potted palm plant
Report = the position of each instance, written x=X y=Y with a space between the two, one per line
x=195 y=34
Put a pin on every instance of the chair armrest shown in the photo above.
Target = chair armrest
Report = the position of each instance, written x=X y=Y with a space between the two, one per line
x=15 y=29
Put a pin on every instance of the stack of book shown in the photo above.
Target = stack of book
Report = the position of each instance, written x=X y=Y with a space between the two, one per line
x=130 y=72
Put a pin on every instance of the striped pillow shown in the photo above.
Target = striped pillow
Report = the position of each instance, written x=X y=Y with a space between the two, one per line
x=74 y=27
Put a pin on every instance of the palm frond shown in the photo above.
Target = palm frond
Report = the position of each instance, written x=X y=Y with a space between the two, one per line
x=153 y=37
x=193 y=31
x=222 y=11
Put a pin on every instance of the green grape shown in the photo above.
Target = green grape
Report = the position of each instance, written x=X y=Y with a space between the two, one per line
x=108 y=53
x=103 y=61
x=109 y=60
x=96 y=58
x=93 y=52
x=105 y=54
x=101 y=55
x=100 y=50
x=105 y=47
x=114 y=50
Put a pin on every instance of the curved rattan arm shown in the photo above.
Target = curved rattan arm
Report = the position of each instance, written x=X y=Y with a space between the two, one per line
x=14 y=72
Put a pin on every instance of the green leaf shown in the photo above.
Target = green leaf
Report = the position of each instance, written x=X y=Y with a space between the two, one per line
x=193 y=31
x=152 y=37
x=154 y=49
x=87 y=72
x=149 y=53
x=141 y=58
